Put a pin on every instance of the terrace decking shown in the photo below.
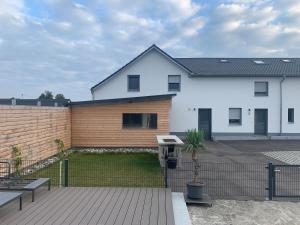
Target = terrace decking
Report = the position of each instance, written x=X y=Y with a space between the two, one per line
x=111 y=206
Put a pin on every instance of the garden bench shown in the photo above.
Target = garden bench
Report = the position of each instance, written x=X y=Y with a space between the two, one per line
x=7 y=197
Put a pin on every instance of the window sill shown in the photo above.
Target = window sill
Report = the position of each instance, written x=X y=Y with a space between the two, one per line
x=138 y=128
x=261 y=95
x=133 y=90
x=235 y=124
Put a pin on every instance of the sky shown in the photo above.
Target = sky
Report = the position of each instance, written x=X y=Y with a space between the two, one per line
x=67 y=46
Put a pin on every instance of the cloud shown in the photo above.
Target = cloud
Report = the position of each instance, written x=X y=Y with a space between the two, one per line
x=68 y=46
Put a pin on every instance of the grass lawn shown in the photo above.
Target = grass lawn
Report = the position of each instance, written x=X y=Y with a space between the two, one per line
x=109 y=169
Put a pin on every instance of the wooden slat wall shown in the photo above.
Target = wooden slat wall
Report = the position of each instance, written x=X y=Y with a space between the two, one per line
x=101 y=126
x=33 y=129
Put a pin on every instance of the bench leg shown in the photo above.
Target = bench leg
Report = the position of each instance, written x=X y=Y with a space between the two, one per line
x=21 y=199
x=32 y=196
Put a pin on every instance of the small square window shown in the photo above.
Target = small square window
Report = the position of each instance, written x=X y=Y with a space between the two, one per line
x=174 y=82
x=133 y=82
x=291 y=115
x=261 y=89
x=235 y=116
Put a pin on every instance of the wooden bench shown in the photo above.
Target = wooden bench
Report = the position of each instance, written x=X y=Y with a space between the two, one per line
x=7 y=197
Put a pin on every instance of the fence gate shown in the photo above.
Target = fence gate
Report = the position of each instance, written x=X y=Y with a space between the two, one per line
x=284 y=181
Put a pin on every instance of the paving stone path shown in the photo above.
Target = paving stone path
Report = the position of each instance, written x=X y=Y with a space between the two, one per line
x=289 y=157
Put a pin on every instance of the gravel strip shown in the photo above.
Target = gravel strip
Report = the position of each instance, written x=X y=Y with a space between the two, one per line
x=230 y=212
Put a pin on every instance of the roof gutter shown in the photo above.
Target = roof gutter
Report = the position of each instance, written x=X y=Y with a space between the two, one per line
x=281 y=103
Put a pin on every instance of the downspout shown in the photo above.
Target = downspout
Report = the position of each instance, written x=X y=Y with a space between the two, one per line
x=281 y=102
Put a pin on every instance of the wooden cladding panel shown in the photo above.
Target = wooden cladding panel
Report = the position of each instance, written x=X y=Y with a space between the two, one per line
x=101 y=126
x=33 y=129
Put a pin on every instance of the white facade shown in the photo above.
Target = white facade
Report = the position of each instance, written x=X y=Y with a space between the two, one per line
x=218 y=94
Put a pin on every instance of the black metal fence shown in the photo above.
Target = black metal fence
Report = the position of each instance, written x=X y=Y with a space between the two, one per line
x=222 y=180
x=284 y=181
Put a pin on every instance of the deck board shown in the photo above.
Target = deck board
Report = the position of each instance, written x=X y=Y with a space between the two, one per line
x=81 y=205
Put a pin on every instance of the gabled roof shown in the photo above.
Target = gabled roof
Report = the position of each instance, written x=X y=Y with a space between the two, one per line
x=264 y=67
x=152 y=47
x=123 y=100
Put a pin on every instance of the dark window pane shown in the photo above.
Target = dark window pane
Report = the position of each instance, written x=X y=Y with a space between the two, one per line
x=291 y=115
x=153 y=121
x=174 y=82
x=132 y=120
x=234 y=121
x=133 y=83
x=174 y=86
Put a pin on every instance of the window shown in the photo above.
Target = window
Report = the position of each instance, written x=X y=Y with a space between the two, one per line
x=140 y=120
x=286 y=60
x=291 y=115
x=224 y=60
x=133 y=82
x=261 y=89
x=259 y=62
x=235 y=116
x=174 y=82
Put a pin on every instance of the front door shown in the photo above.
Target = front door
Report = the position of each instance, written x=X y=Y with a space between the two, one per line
x=204 y=122
x=261 y=122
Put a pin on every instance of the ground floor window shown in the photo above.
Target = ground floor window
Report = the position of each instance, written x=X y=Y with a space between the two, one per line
x=140 y=120
x=291 y=115
x=235 y=116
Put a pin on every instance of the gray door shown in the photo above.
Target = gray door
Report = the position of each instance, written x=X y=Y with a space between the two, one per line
x=261 y=122
x=204 y=122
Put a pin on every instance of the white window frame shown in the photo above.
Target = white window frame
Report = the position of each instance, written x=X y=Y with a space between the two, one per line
x=261 y=94
x=240 y=119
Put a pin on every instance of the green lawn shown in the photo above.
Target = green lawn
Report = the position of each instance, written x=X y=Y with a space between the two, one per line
x=109 y=169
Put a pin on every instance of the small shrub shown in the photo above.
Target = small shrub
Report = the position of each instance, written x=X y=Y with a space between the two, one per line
x=16 y=155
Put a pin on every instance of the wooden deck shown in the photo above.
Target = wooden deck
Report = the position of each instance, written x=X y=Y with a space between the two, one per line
x=111 y=206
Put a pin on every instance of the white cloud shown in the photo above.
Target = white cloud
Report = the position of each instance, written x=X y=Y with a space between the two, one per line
x=69 y=46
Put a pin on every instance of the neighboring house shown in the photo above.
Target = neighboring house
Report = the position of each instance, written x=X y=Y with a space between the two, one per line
x=35 y=102
x=228 y=98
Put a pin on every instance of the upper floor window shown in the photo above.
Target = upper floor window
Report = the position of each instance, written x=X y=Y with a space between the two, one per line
x=140 y=120
x=133 y=82
x=291 y=115
x=261 y=89
x=174 y=82
x=235 y=116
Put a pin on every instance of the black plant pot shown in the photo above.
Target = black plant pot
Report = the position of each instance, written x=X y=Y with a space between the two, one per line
x=195 y=190
x=172 y=163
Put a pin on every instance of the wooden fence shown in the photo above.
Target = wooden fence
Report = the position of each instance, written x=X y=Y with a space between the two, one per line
x=33 y=129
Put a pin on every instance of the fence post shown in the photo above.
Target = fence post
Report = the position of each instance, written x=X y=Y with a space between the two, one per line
x=270 y=180
x=66 y=164
x=166 y=169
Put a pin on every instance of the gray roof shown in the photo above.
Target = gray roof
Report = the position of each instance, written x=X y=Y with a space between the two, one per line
x=241 y=66
x=123 y=100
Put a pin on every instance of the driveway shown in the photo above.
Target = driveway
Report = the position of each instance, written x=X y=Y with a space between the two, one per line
x=246 y=213
x=244 y=151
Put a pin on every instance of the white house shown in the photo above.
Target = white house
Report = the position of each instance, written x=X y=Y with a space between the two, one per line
x=228 y=98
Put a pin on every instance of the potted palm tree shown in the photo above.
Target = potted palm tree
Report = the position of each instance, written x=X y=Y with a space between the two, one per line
x=194 y=144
